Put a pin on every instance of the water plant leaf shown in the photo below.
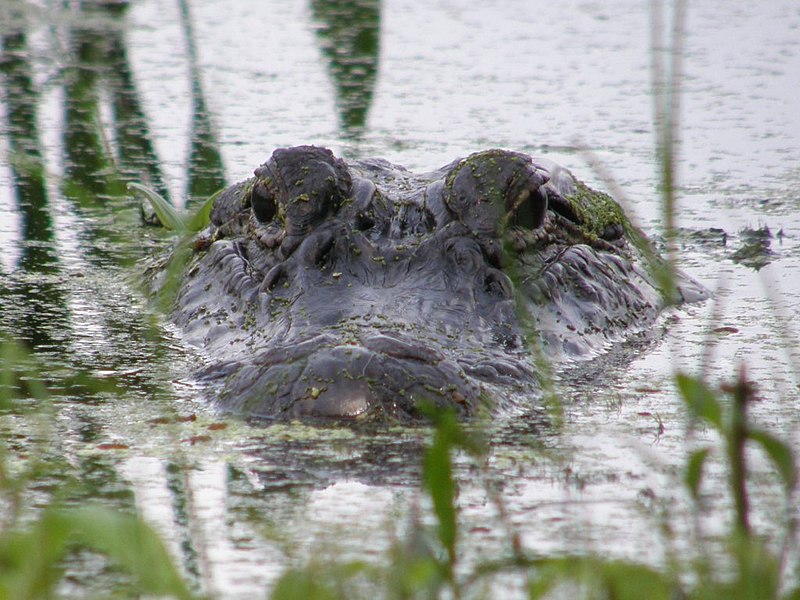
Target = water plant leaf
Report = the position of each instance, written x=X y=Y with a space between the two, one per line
x=603 y=578
x=757 y=573
x=437 y=474
x=793 y=594
x=128 y=541
x=202 y=216
x=779 y=453
x=167 y=290
x=32 y=558
x=18 y=375
x=700 y=399
x=627 y=580
x=694 y=470
x=438 y=478
x=324 y=581
x=300 y=585
x=169 y=216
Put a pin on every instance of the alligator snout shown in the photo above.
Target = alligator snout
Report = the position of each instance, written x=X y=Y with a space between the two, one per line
x=382 y=376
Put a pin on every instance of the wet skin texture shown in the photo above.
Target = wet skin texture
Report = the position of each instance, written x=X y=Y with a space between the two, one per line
x=332 y=289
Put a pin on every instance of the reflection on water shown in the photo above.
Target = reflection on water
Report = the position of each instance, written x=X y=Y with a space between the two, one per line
x=238 y=503
x=21 y=103
x=349 y=38
x=36 y=281
x=205 y=172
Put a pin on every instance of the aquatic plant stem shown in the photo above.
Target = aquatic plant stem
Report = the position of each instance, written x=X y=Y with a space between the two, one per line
x=737 y=437
x=666 y=98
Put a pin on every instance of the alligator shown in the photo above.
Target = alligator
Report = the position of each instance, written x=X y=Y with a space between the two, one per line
x=326 y=288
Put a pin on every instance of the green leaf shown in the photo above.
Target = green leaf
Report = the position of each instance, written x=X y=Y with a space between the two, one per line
x=437 y=473
x=694 y=470
x=700 y=399
x=167 y=214
x=30 y=560
x=616 y=579
x=202 y=216
x=438 y=477
x=779 y=453
x=19 y=373
x=758 y=572
x=167 y=292
x=301 y=585
x=793 y=594
x=128 y=541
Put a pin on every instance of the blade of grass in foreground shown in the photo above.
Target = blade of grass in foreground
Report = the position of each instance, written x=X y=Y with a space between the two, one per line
x=168 y=215
x=173 y=219
x=32 y=558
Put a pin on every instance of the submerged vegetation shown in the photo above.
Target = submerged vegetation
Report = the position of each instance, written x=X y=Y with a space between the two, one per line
x=48 y=495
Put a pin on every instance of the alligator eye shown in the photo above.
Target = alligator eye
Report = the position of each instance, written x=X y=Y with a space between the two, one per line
x=529 y=208
x=263 y=202
x=563 y=208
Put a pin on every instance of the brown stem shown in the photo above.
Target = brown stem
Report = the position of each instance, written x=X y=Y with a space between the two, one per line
x=737 y=437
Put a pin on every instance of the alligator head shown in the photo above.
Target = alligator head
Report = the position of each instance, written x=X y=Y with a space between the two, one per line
x=325 y=288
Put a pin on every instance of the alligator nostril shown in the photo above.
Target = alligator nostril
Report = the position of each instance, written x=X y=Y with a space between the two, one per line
x=465 y=254
x=364 y=222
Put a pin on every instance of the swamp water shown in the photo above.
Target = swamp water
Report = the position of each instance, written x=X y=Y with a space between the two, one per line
x=185 y=97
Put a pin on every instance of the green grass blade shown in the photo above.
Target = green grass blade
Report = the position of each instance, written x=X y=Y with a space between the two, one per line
x=700 y=399
x=129 y=542
x=202 y=216
x=694 y=470
x=601 y=578
x=438 y=477
x=30 y=560
x=167 y=214
x=301 y=585
x=779 y=453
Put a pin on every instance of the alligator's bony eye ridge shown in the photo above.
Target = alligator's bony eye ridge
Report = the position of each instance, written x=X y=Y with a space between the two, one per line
x=262 y=202
x=562 y=207
x=492 y=190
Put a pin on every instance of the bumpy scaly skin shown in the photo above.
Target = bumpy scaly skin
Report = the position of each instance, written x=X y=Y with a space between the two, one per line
x=332 y=289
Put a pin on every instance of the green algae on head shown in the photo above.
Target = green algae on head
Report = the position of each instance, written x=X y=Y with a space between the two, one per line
x=597 y=212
